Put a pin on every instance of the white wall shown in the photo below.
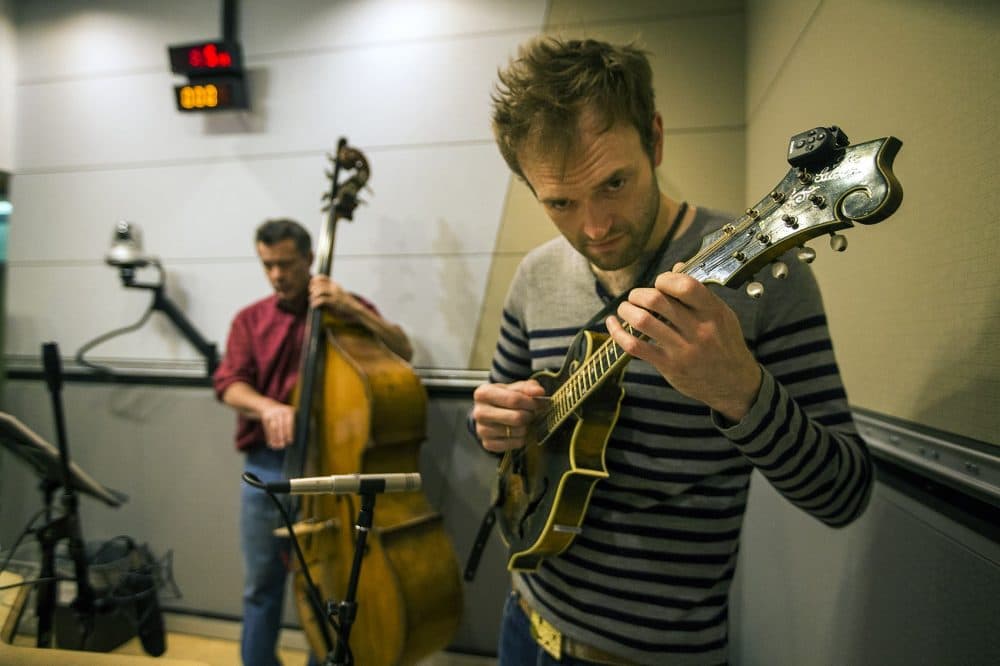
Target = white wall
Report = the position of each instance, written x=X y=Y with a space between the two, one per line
x=98 y=140
x=8 y=69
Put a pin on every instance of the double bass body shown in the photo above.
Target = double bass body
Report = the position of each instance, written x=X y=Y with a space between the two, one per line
x=368 y=416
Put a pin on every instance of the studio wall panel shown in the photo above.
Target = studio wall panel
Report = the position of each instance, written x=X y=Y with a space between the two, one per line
x=67 y=39
x=343 y=25
x=414 y=93
x=99 y=140
x=913 y=303
x=8 y=73
x=64 y=39
x=84 y=302
x=635 y=12
x=423 y=200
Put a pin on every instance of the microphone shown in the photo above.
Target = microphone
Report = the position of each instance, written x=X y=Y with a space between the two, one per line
x=345 y=484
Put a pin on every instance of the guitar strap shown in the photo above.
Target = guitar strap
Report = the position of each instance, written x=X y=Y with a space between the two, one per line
x=647 y=278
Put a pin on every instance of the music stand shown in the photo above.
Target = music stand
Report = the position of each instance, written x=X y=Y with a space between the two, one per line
x=44 y=459
x=51 y=467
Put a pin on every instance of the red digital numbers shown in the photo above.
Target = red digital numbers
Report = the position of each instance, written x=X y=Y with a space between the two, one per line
x=209 y=57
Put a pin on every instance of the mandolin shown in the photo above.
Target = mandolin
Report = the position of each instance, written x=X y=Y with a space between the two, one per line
x=542 y=489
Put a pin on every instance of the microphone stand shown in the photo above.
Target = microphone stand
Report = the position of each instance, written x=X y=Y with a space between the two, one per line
x=339 y=653
x=347 y=609
x=67 y=526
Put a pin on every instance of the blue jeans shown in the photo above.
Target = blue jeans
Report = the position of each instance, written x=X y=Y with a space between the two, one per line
x=265 y=560
x=517 y=647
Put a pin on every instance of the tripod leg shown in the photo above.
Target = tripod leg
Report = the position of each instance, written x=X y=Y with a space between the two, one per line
x=45 y=602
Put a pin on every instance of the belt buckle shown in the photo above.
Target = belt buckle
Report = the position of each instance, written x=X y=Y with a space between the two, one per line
x=547 y=636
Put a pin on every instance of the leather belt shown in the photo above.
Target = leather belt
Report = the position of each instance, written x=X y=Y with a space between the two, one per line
x=557 y=644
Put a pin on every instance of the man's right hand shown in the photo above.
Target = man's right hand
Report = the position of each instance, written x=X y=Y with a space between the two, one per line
x=504 y=412
x=279 y=425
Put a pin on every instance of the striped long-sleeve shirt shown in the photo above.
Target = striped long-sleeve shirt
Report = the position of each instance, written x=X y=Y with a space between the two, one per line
x=649 y=575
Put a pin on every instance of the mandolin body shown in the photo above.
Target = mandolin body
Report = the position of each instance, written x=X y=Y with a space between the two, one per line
x=544 y=488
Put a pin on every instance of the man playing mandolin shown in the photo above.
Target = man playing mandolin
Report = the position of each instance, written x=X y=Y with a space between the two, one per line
x=719 y=385
x=256 y=377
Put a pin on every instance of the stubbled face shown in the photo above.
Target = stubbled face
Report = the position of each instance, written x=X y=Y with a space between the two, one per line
x=603 y=197
x=286 y=268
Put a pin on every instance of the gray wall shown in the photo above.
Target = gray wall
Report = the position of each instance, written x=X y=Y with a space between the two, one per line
x=901 y=586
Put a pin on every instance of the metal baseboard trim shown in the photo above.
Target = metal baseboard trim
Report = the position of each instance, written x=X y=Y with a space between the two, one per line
x=968 y=466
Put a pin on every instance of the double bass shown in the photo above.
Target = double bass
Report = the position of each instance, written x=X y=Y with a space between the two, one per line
x=361 y=409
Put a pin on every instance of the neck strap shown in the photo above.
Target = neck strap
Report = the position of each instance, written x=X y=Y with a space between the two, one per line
x=649 y=274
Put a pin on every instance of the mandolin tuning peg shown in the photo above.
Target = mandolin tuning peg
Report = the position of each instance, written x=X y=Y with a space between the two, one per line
x=838 y=242
x=806 y=255
x=755 y=290
x=779 y=270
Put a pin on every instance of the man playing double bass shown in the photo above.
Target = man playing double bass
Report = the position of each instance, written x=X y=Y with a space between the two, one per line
x=256 y=378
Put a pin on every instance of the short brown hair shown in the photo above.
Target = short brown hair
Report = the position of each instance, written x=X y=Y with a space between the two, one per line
x=542 y=93
x=275 y=231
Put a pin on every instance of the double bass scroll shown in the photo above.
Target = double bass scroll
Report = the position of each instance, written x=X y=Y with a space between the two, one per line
x=361 y=409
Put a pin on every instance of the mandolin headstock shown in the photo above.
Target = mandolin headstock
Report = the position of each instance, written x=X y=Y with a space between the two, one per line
x=836 y=186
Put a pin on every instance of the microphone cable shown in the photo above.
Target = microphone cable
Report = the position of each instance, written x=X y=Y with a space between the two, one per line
x=28 y=529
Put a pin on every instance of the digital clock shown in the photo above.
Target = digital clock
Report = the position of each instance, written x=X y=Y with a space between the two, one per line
x=206 y=58
x=214 y=70
x=212 y=94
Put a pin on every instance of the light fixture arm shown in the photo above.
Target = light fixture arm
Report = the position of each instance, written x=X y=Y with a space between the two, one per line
x=167 y=307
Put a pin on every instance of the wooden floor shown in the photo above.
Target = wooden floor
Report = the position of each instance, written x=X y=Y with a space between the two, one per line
x=191 y=639
x=213 y=651
x=225 y=652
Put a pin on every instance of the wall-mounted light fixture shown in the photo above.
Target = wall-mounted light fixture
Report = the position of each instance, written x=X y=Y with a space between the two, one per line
x=126 y=254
